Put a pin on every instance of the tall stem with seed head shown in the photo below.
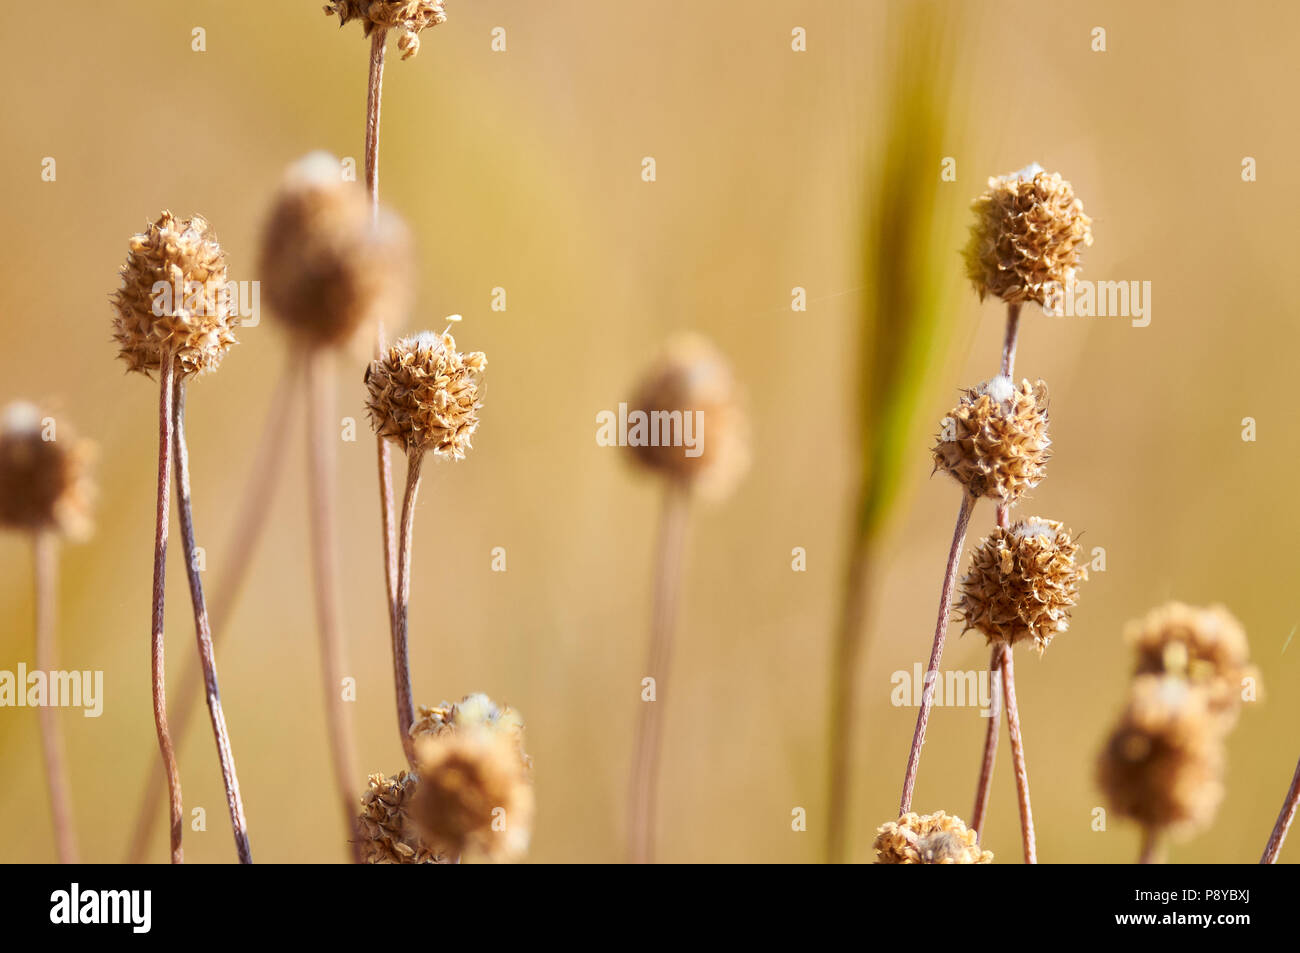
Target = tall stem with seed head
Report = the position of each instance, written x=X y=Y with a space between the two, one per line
x=157 y=668
x=1284 y=819
x=56 y=772
x=1018 y=756
x=401 y=653
x=936 y=653
x=203 y=631
x=649 y=734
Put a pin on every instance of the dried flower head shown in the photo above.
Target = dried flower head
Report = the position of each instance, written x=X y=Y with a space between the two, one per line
x=936 y=838
x=1022 y=583
x=1026 y=237
x=174 y=299
x=385 y=829
x=424 y=394
x=686 y=420
x=1208 y=647
x=44 y=474
x=474 y=794
x=472 y=712
x=409 y=16
x=328 y=265
x=994 y=442
x=1162 y=765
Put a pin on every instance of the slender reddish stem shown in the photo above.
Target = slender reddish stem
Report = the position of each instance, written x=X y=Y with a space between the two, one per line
x=1018 y=757
x=936 y=652
x=203 y=632
x=157 y=666
x=1149 y=852
x=1009 y=343
x=985 y=786
x=1284 y=819
x=844 y=700
x=401 y=651
x=56 y=771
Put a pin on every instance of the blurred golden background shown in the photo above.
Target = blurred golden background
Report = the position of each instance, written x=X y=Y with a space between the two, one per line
x=522 y=170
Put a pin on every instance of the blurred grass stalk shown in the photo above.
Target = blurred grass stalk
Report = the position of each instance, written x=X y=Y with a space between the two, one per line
x=908 y=249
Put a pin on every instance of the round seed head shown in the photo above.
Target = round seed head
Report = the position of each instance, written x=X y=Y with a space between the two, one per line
x=173 y=298
x=936 y=838
x=1026 y=236
x=1022 y=583
x=409 y=16
x=1208 y=647
x=328 y=266
x=385 y=831
x=474 y=794
x=1162 y=766
x=691 y=389
x=994 y=442
x=423 y=394
x=472 y=712
x=44 y=474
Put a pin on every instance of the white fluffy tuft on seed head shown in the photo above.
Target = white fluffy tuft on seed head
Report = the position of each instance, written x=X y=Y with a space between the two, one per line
x=20 y=417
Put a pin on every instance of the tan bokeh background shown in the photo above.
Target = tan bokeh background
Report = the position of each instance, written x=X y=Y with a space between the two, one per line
x=522 y=170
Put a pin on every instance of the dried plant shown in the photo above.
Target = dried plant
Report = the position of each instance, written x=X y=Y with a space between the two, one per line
x=937 y=838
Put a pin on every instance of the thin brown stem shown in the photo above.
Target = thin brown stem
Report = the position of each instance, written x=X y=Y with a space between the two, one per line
x=401 y=618
x=322 y=469
x=1149 y=852
x=1284 y=819
x=374 y=101
x=250 y=520
x=1009 y=343
x=157 y=668
x=44 y=560
x=985 y=786
x=1018 y=757
x=649 y=740
x=203 y=631
x=845 y=666
x=936 y=652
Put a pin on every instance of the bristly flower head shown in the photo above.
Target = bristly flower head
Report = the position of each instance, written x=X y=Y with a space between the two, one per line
x=1208 y=647
x=1026 y=237
x=936 y=838
x=385 y=829
x=1162 y=765
x=472 y=712
x=994 y=442
x=173 y=298
x=1022 y=583
x=44 y=479
x=328 y=265
x=409 y=16
x=424 y=394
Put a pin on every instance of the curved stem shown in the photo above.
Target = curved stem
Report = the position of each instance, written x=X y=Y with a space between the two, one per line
x=321 y=403
x=1009 y=343
x=401 y=654
x=250 y=520
x=985 y=786
x=1284 y=819
x=203 y=632
x=56 y=772
x=649 y=742
x=157 y=668
x=1018 y=757
x=845 y=666
x=936 y=653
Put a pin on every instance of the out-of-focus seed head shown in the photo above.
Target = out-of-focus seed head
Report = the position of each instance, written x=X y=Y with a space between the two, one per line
x=476 y=711
x=328 y=266
x=409 y=16
x=1162 y=766
x=936 y=838
x=423 y=394
x=1026 y=237
x=385 y=830
x=1022 y=583
x=1208 y=647
x=686 y=421
x=174 y=298
x=45 y=482
x=994 y=442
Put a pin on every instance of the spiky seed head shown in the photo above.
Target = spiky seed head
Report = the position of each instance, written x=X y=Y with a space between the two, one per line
x=409 y=16
x=1162 y=765
x=386 y=832
x=1207 y=646
x=45 y=482
x=174 y=298
x=475 y=795
x=994 y=442
x=328 y=265
x=423 y=394
x=937 y=838
x=476 y=711
x=1022 y=584
x=691 y=385
x=1026 y=236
